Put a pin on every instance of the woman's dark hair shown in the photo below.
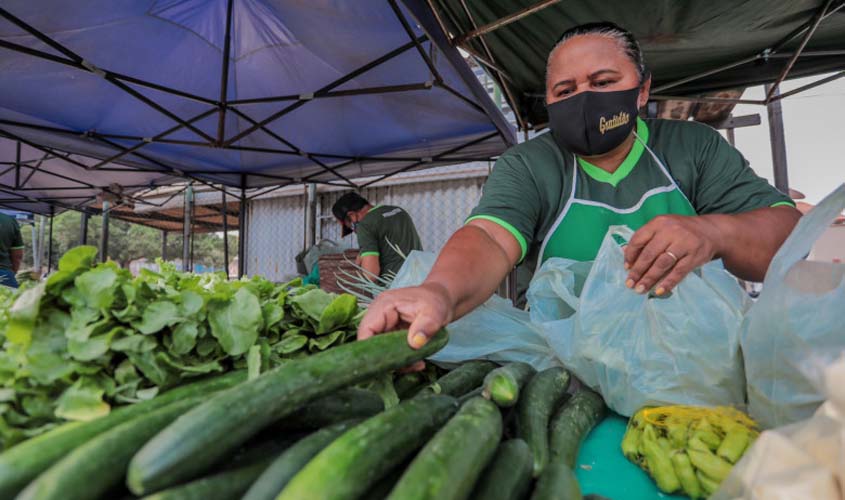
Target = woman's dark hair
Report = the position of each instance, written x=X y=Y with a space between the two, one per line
x=623 y=37
x=350 y=202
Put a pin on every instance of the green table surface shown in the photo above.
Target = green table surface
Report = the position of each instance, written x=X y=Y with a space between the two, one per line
x=603 y=470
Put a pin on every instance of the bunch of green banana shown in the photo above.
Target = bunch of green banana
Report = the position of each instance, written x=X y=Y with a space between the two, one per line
x=687 y=449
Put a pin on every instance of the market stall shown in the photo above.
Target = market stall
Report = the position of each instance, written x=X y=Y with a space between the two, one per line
x=172 y=385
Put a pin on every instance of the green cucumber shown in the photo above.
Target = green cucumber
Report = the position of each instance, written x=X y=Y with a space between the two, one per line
x=285 y=466
x=22 y=463
x=100 y=464
x=503 y=384
x=408 y=384
x=461 y=380
x=359 y=458
x=557 y=482
x=224 y=485
x=509 y=474
x=345 y=404
x=382 y=488
x=539 y=400
x=210 y=431
x=572 y=423
x=448 y=466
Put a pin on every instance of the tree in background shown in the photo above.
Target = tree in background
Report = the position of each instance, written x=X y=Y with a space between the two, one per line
x=127 y=241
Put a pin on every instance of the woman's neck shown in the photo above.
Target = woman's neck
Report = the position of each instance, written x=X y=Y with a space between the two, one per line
x=611 y=160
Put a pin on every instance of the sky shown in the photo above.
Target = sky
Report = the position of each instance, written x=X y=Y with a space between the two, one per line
x=814 y=127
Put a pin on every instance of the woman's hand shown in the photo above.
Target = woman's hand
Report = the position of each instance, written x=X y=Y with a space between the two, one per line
x=472 y=264
x=666 y=249
x=423 y=309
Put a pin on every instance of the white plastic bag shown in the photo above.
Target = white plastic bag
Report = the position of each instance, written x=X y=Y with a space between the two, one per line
x=496 y=330
x=801 y=461
x=796 y=324
x=638 y=350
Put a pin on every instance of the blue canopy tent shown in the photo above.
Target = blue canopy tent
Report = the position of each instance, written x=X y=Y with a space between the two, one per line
x=41 y=180
x=318 y=91
x=105 y=98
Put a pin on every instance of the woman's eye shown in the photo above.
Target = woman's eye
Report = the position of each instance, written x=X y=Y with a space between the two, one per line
x=564 y=92
x=603 y=83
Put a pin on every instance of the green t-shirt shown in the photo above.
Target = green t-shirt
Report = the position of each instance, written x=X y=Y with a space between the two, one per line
x=383 y=224
x=531 y=182
x=10 y=239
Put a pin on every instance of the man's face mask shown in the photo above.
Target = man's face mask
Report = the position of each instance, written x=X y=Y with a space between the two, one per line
x=351 y=224
x=347 y=226
x=593 y=123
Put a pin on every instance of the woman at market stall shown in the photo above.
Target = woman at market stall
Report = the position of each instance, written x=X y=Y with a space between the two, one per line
x=689 y=195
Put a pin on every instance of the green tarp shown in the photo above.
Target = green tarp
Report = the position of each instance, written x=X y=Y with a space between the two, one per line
x=680 y=38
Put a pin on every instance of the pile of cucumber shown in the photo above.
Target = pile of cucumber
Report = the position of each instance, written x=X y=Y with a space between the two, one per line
x=303 y=431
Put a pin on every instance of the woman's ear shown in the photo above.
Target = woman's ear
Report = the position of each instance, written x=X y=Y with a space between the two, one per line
x=645 y=91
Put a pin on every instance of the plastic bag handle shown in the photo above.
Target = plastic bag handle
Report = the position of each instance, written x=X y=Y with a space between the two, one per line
x=809 y=229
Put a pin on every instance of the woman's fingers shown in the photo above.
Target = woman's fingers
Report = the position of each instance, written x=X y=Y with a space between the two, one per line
x=679 y=272
x=650 y=254
x=382 y=316
x=422 y=329
x=425 y=309
x=660 y=267
x=665 y=250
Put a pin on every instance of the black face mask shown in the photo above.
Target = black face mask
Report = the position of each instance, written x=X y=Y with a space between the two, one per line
x=593 y=123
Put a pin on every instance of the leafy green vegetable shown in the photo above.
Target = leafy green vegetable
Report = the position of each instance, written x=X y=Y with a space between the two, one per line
x=338 y=313
x=97 y=287
x=185 y=337
x=81 y=257
x=235 y=323
x=253 y=362
x=82 y=401
x=157 y=316
x=92 y=336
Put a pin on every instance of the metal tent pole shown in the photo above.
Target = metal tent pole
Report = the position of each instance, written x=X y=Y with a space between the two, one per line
x=310 y=215
x=50 y=238
x=778 y=140
x=163 y=245
x=104 y=238
x=83 y=229
x=186 y=229
x=39 y=262
x=730 y=132
x=504 y=21
x=225 y=232
x=242 y=231
x=35 y=259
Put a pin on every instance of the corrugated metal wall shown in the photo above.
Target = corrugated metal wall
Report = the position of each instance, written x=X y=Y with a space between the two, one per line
x=275 y=234
x=276 y=225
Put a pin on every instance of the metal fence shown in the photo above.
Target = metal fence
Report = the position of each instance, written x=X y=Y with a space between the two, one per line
x=437 y=205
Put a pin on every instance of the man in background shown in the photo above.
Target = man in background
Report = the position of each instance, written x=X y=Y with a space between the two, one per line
x=11 y=250
x=379 y=229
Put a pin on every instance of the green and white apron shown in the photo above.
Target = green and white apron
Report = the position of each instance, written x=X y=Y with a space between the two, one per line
x=582 y=224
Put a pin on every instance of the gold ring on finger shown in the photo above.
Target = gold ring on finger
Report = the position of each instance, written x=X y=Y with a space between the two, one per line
x=674 y=257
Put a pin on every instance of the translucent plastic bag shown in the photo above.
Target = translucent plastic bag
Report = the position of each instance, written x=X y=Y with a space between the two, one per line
x=796 y=324
x=804 y=460
x=496 y=330
x=638 y=350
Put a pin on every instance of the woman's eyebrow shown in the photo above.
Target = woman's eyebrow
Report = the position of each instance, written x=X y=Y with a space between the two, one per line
x=564 y=82
x=604 y=71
